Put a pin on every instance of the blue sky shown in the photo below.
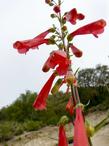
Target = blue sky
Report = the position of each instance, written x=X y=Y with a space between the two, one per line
x=25 y=19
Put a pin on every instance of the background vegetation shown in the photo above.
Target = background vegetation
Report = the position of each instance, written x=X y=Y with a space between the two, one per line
x=20 y=116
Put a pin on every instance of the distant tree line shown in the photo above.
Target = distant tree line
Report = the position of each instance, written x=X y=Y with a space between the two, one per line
x=94 y=85
x=94 y=77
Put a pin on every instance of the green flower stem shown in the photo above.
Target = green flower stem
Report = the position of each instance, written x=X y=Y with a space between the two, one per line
x=61 y=25
x=73 y=94
x=90 y=142
x=59 y=2
x=77 y=94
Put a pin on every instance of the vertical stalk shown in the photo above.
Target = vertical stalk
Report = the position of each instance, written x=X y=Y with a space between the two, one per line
x=61 y=25
x=90 y=142
x=77 y=94
x=73 y=94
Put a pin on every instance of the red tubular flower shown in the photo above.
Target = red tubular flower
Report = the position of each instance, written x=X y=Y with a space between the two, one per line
x=57 y=58
x=24 y=46
x=76 y=51
x=94 y=28
x=80 y=136
x=62 y=137
x=40 y=102
x=70 y=106
x=72 y=16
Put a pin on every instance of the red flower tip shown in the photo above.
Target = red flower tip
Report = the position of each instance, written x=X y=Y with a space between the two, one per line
x=94 y=28
x=62 y=137
x=45 y=68
x=21 y=47
x=40 y=102
x=57 y=58
x=72 y=16
x=56 y=9
x=76 y=51
x=70 y=106
x=102 y=22
x=24 y=46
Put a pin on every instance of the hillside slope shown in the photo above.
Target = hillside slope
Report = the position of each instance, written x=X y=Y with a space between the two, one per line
x=48 y=136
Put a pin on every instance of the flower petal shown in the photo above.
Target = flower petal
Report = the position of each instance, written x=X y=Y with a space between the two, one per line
x=24 y=46
x=62 y=137
x=94 y=28
x=72 y=16
x=80 y=135
x=70 y=106
x=40 y=102
x=76 y=51
x=43 y=34
x=57 y=58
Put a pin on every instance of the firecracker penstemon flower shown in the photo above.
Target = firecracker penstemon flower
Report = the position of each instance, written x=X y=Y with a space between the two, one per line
x=60 y=62
x=62 y=136
x=80 y=136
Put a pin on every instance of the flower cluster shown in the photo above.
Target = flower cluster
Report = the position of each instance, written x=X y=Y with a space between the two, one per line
x=61 y=64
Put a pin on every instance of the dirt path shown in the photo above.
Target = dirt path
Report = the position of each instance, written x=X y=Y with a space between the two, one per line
x=48 y=136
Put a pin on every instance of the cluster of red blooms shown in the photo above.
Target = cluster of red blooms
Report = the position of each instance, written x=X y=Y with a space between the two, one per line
x=60 y=61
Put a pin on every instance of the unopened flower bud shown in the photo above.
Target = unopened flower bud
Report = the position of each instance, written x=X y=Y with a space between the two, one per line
x=56 y=86
x=52 y=29
x=51 y=4
x=63 y=20
x=80 y=105
x=69 y=38
x=61 y=46
x=70 y=78
x=64 y=120
x=53 y=15
x=89 y=129
x=51 y=41
x=56 y=9
x=48 y=1
x=53 y=36
x=64 y=28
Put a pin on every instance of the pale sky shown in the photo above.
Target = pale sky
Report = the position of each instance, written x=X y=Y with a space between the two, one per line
x=25 y=19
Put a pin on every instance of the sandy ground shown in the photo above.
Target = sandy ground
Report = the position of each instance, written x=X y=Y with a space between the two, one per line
x=48 y=136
